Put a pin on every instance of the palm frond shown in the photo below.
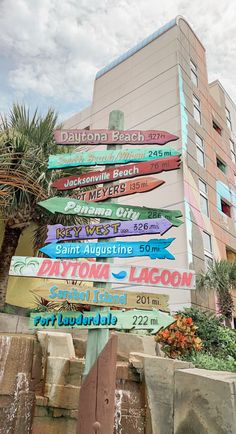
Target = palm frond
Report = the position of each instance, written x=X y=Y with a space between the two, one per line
x=220 y=277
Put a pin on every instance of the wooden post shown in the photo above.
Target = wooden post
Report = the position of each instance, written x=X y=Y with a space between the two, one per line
x=96 y=401
x=97 y=339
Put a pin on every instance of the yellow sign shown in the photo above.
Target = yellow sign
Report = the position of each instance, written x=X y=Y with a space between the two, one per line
x=60 y=293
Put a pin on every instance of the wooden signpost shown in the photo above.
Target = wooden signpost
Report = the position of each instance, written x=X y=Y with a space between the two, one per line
x=109 y=211
x=154 y=249
x=107 y=230
x=93 y=158
x=97 y=393
x=112 y=137
x=132 y=220
x=97 y=296
x=116 y=173
x=152 y=320
x=140 y=185
x=101 y=272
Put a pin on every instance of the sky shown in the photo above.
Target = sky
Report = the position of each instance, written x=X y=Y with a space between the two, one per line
x=51 y=49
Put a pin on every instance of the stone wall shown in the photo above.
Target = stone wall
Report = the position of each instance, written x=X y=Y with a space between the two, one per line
x=20 y=373
x=40 y=379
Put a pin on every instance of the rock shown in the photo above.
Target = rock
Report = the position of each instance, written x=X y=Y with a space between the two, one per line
x=76 y=369
x=205 y=402
x=159 y=380
x=15 y=357
x=80 y=346
x=132 y=424
x=8 y=323
x=41 y=400
x=23 y=326
x=62 y=396
x=49 y=425
x=130 y=342
x=126 y=372
x=40 y=411
x=56 y=344
x=127 y=342
x=57 y=370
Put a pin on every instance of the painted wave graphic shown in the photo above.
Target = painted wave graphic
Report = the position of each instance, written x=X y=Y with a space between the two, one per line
x=120 y=275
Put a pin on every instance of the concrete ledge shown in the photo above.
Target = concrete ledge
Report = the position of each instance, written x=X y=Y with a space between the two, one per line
x=158 y=375
x=205 y=402
x=62 y=396
x=56 y=344
x=8 y=323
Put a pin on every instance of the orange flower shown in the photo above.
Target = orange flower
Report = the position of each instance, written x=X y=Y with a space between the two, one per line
x=180 y=337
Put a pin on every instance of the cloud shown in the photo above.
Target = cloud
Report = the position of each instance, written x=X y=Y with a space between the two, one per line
x=53 y=49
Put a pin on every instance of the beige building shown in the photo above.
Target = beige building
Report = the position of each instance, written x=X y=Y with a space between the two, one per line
x=162 y=84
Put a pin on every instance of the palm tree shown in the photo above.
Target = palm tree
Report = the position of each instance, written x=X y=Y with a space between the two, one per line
x=25 y=144
x=221 y=277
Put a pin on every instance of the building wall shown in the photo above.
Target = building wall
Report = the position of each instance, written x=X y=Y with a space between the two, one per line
x=152 y=85
x=213 y=100
x=155 y=90
x=145 y=88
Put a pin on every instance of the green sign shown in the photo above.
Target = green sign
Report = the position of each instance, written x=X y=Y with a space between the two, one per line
x=152 y=320
x=94 y=158
x=110 y=211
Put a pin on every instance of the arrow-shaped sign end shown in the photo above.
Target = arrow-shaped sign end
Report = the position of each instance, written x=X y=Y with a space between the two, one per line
x=48 y=250
x=165 y=225
x=47 y=204
x=165 y=319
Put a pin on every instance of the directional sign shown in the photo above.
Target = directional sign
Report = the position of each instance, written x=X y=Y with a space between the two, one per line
x=109 y=137
x=108 y=211
x=155 y=249
x=116 y=173
x=101 y=272
x=102 y=296
x=94 y=158
x=107 y=230
x=152 y=320
x=140 y=185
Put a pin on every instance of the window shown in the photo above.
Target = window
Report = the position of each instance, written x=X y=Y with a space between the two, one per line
x=207 y=242
x=200 y=150
x=203 y=197
x=221 y=165
x=196 y=109
x=232 y=151
x=225 y=208
x=208 y=260
x=208 y=256
x=216 y=127
x=228 y=118
x=194 y=76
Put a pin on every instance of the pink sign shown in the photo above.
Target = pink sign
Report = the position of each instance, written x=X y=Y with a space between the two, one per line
x=113 y=137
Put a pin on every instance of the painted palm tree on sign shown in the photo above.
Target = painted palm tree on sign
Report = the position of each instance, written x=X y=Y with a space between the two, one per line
x=25 y=144
x=220 y=277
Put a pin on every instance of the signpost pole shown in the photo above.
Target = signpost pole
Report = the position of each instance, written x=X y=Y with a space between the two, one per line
x=97 y=339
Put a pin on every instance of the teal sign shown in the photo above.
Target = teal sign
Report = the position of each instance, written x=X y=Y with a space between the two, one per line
x=155 y=249
x=152 y=320
x=94 y=158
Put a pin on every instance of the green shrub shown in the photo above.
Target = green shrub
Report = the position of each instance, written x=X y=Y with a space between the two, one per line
x=206 y=361
x=218 y=341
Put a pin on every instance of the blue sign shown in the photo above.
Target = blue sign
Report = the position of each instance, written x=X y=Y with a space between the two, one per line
x=155 y=249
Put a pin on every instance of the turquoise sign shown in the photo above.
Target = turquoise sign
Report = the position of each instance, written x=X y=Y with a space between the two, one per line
x=152 y=320
x=155 y=249
x=94 y=158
